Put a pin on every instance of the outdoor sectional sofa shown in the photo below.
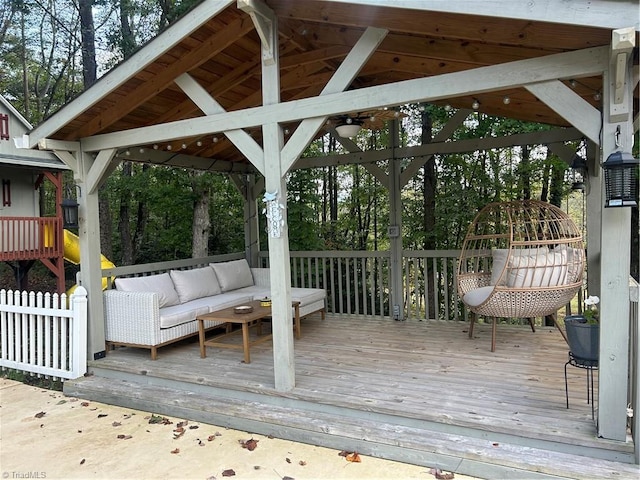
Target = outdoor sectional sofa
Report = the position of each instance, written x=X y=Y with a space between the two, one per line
x=156 y=310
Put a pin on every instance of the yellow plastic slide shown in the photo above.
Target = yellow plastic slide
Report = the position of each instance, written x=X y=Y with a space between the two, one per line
x=72 y=254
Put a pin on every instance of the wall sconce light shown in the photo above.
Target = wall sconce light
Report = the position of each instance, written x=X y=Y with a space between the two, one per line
x=579 y=167
x=348 y=127
x=621 y=180
x=69 y=213
x=475 y=104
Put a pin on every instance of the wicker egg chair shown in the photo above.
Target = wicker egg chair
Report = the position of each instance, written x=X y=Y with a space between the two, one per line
x=520 y=259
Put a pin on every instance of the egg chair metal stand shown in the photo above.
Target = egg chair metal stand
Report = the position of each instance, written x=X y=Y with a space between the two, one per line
x=520 y=259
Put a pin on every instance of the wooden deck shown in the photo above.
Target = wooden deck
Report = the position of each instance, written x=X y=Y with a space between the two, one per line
x=420 y=392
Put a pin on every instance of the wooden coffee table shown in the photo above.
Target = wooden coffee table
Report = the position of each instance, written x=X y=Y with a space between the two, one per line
x=253 y=318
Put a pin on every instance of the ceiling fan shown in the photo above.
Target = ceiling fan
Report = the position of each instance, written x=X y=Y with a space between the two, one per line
x=349 y=125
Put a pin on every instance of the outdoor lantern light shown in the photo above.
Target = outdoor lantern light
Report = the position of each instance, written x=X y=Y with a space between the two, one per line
x=579 y=167
x=69 y=213
x=349 y=127
x=621 y=180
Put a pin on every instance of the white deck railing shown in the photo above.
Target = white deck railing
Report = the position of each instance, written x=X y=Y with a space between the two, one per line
x=43 y=333
x=357 y=282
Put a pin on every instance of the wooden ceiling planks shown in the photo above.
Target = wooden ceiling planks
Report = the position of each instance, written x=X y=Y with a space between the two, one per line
x=223 y=56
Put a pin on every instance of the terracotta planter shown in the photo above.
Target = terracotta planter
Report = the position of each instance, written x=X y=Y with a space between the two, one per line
x=583 y=337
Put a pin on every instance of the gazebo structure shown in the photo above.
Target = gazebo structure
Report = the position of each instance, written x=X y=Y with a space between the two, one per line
x=218 y=90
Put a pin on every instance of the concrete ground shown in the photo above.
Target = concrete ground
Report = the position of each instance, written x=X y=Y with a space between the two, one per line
x=46 y=435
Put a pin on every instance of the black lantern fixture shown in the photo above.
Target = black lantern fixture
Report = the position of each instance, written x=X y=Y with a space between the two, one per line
x=69 y=213
x=579 y=167
x=621 y=180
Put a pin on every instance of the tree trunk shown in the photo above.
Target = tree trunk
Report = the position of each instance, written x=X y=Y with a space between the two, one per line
x=201 y=218
x=124 y=222
x=87 y=32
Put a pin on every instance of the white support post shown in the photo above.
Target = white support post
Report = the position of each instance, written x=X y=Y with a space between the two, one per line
x=280 y=270
x=90 y=264
x=395 y=230
x=79 y=335
x=614 y=281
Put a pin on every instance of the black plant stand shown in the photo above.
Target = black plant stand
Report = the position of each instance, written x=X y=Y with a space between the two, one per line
x=590 y=366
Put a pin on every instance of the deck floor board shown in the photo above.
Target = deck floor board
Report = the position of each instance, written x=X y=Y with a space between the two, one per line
x=416 y=369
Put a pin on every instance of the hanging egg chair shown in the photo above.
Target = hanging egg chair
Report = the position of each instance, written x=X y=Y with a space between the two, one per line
x=519 y=259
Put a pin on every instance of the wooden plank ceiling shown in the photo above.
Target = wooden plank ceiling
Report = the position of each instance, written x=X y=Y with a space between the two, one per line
x=315 y=36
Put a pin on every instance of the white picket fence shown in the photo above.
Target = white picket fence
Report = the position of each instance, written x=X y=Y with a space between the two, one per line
x=44 y=333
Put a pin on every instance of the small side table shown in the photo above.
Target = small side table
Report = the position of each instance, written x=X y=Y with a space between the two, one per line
x=590 y=366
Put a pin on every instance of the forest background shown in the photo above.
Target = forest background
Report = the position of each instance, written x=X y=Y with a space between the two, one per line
x=54 y=49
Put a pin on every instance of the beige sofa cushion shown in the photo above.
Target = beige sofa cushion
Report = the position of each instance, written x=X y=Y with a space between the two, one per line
x=195 y=283
x=160 y=284
x=233 y=275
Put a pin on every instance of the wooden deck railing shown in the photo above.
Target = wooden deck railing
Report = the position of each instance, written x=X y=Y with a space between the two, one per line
x=30 y=238
x=357 y=282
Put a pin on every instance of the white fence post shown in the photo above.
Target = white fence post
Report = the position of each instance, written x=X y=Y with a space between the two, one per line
x=79 y=335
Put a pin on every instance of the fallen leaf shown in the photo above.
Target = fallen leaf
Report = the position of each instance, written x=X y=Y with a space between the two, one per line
x=211 y=438
x=178 y=432
x=159 y=419
x=288 y=478
x=288 y=460
x=85 y=404
x=82 y=461
x=496 y=444
x=124 y=437
x=249 y=444
x=302 y=463
x=182 y=424
x=102 y=415
x=175 y=451
x=40 y=414
x=61 y=402
x=193 y=427
x=353 y=457
x=200 y=442
x=440 y=475
x=228 y=473
x=116 y=424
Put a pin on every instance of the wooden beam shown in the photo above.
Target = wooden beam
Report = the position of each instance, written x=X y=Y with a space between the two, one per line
x=265 y=22
x=241 y=139
x=50 y=144
x=485 y=79
x=589 y=13
x=348 y=70
x=100 y=170
x=459 y=146
x=446 y=132
x=191 y=21
x=570 y=106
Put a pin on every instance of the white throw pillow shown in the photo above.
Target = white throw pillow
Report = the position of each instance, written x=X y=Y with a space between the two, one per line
x=161 y=284
x=500 y=261
x=233 y=275
x=542 y=270
x=195 y=283
x=575 y=262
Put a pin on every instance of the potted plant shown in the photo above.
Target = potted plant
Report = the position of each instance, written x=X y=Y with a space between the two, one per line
x=583 y=331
